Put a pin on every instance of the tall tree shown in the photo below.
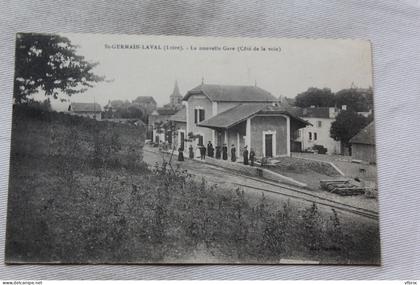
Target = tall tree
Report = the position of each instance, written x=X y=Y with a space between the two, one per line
x=50 y=63
x=346 y=125
x=315 y=97
x=356 y=99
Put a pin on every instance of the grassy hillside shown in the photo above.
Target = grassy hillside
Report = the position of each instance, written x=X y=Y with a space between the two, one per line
x=56 y=162
x=79 y=193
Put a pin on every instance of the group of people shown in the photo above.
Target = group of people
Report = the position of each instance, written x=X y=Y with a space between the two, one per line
x=219 y=153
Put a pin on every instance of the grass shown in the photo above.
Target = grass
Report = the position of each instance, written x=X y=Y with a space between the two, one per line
x=304 y=170
x=85 y=196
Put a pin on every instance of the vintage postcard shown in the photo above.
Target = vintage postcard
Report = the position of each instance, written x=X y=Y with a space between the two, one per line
x=199 y=150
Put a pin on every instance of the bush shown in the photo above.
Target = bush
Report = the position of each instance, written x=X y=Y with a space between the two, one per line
x=320 y=149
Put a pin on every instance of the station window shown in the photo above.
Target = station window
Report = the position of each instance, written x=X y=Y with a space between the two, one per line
x=199 y=115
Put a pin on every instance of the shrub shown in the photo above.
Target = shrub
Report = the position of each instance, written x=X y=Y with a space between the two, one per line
x=312 y=225
x=320 y=149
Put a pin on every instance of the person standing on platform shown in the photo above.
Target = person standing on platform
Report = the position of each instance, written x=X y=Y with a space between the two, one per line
x=224 y=152
x=218 y=152
x=180 y=154
x=191 y=152
x=246 y=155
x=233 y=153
x=210 y=149
x=202 y=152
x=252 y=156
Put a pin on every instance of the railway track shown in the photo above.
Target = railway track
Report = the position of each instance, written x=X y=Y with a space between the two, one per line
x=319 y=201
x=296 y=193
x=308 y=197
x=303 y=195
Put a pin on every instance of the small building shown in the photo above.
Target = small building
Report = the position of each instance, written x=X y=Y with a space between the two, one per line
x=363 y=145
x=90 y=110
x=318 y=132
x=240 y=115
x=159 y=123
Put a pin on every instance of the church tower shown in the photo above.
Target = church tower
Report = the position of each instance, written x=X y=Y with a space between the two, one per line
x=175 y=99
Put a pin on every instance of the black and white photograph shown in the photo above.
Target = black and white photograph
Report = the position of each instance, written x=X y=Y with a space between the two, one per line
x=135 y=149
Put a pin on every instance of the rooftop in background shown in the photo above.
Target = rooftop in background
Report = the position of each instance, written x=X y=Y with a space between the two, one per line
x=164 y=112
x=315 y=112
x=366 y=135
x=232 y=93
x=85 y=107
x=180 y=116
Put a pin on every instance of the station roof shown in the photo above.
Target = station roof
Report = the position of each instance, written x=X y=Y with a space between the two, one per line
x=365 y=136
x=241 y=112
x=232 y=93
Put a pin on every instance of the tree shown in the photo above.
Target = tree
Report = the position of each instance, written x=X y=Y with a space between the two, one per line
x=126 y=110
x=346 y=125
x=136 y=111
x=50 y=63
x=315 y=97
x=356 y=99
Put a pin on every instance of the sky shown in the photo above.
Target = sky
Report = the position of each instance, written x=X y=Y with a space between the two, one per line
x=286 y=67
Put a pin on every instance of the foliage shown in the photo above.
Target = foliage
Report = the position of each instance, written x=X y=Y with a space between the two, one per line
x=274 y=234
x=315 y=97
x=50 y=63
x=312 y=223
x=358 y=100
x=346 y=125
x=42 y=106
x=125 y=110
x=335 y=235
x=320 y=148
x=105 y=145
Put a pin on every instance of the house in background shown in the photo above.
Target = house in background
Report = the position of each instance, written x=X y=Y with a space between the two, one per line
x=179 y=127
x=242 y=116
x=363 y=146
x=90 y=110
x=318 y=132
x=159 y=123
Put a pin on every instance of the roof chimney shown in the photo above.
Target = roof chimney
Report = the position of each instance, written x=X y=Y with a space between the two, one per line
x=344 y=107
